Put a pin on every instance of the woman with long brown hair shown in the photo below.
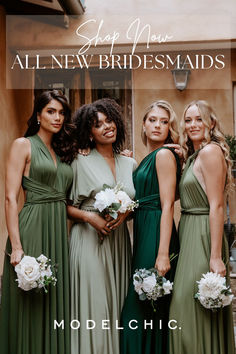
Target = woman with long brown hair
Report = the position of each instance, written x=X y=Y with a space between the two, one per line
x=37 y=163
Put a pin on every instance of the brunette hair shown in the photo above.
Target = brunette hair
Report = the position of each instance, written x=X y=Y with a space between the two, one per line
x=87 y=116
x=213 y=133
x=62 y=141
x=173 y=128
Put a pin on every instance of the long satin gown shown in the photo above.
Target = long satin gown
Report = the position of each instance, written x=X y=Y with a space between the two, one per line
x=199 y=330
x=135 y=338
x=27 y=317
x=99 y=271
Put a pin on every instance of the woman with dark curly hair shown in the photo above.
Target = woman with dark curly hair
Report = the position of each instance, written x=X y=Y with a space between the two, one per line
x=36 y=163
x=99 y=256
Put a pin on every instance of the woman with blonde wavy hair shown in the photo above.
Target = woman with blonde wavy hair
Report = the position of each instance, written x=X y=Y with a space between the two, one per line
x=203 y=246
x=154 y=232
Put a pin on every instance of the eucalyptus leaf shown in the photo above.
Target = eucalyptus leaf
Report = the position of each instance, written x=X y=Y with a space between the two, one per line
x=105 y=186
x=115 y=206
x=113 y=214
x=142 y=297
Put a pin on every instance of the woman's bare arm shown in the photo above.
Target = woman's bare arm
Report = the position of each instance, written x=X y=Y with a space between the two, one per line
x=95 y=220
x=18 y=158
x=166 y=172
x=213 y=169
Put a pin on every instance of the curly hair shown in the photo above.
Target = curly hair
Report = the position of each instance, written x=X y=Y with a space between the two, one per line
x=87 y=116
x=213 y=133
x=173 y=135
x=62 y=142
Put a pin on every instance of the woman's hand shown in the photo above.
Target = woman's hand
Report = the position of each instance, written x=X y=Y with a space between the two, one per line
x=217 y=266
x=162 y=265
x=112 y=225
x=84 y=152
x=127 y=153
x=16 y=256
x=99 y=224
x=178 y=149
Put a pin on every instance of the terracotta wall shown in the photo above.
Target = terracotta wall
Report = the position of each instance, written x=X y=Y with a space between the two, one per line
x=15 y=107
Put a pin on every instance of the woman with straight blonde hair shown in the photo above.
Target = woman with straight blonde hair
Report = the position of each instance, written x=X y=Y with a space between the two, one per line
x=154 y=232
x=203 y=247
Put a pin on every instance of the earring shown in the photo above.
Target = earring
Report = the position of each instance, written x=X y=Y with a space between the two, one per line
x=144 y=130
x=91 y=138
x=38 y=122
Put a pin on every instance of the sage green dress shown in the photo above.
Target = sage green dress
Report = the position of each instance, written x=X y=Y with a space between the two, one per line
x=154 y=338
x=27 y=317
x=99 y=271
x=202 y=331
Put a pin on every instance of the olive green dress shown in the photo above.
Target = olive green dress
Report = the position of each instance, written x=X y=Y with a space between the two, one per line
x=199 y=330
x=153 y=339
x=99 y=271
x=27 y=317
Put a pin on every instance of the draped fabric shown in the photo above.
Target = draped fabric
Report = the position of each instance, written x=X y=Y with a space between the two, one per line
x=199 y=330
x=99 y=271
x=27 y=317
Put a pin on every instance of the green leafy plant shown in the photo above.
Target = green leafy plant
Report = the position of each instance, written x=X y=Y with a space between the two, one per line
x=231 y=141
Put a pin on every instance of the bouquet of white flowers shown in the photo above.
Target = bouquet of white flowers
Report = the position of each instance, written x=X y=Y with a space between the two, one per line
x=114 y=200
x=150 y=285
x=34 y=273
x=213 y=293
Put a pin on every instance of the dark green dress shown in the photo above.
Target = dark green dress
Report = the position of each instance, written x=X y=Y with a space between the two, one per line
x=199 y=330
x=27 y=317
x=152 y=340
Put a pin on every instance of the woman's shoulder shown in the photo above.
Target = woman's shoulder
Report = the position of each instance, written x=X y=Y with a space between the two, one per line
x=21 y=145
x=210 y=151
x=84 y=160
x=166 y=153
x=129 y=161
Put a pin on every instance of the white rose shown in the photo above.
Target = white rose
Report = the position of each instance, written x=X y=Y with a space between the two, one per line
x=26 y=285
x=124 y=200
x=104 y=199
x=149 y=283
x=167 y=286
x=211 y=285
x=138 y=287
x=226 y=299
x=28 y=270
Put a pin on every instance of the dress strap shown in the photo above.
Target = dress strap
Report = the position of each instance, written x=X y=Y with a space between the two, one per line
x=41 y=193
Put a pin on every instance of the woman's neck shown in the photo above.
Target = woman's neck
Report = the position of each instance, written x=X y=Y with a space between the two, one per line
x=197 y=145
x=105 y=150
x=46 y=137
x=151 y=146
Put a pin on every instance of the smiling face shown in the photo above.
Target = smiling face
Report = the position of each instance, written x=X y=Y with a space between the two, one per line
x=104 y=131
x=194 y=125
x=51 y=117
x=156 y=125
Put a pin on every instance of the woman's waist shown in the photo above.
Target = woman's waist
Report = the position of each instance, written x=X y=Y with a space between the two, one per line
x=194 y=210
x=149 y=202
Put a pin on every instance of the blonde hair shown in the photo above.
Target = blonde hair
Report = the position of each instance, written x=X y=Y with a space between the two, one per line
x=213 y=133
x=173 y=135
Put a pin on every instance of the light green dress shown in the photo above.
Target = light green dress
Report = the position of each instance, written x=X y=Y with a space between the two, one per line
x=27 y=317
x=202 y=331
x=99 y=271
